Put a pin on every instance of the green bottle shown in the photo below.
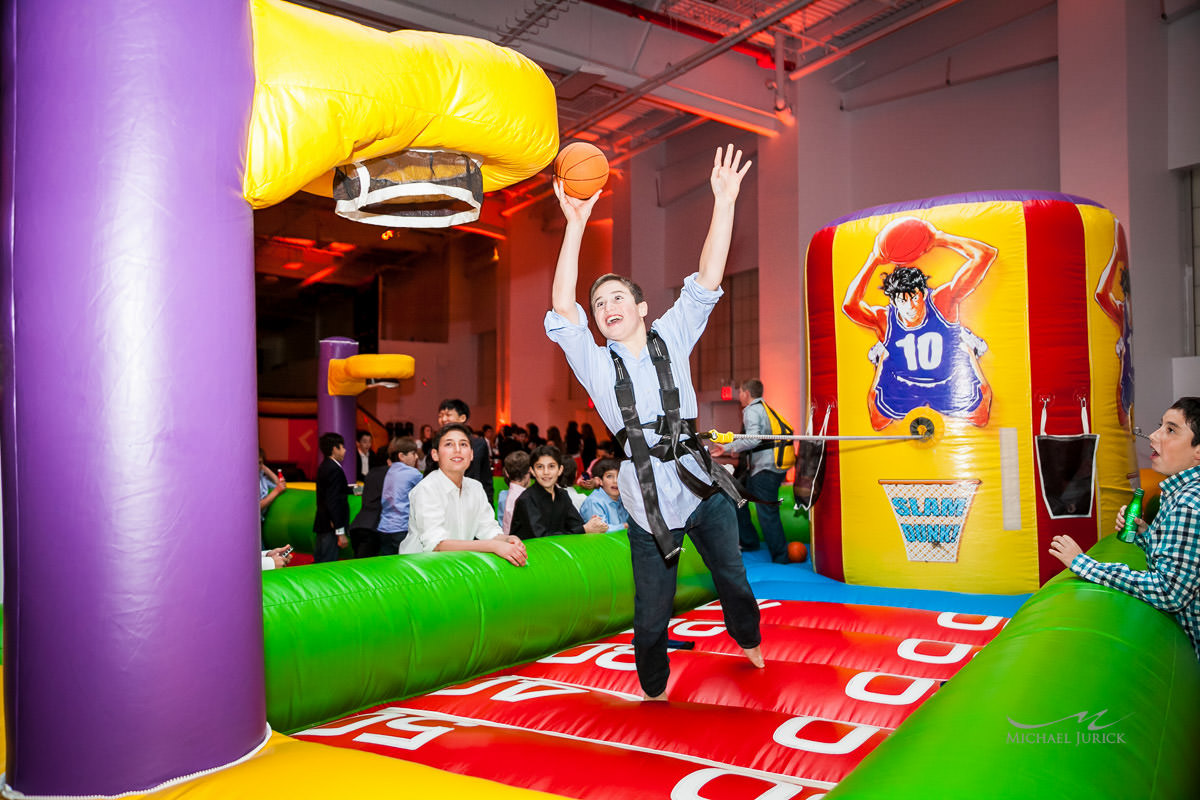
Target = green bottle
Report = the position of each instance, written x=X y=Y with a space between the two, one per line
x=1132 y=512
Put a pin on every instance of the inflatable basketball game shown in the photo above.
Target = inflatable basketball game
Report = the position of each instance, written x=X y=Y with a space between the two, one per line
x=999 y=323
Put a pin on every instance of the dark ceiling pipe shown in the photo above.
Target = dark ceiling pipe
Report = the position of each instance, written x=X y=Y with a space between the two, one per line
x=763 y=56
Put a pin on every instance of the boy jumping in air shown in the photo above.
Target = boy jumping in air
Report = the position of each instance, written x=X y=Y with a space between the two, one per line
x=666 y=489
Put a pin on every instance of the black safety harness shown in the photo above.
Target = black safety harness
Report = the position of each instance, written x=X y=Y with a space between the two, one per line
x=679 y=439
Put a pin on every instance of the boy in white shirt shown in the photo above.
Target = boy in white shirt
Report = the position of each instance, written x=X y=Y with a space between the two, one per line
x=449 y=511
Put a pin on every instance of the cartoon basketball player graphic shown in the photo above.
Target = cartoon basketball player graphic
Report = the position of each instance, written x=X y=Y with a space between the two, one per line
x=925 y=355
x=1120 y=312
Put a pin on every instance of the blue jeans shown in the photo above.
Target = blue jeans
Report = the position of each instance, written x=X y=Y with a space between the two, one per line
x=764 y=484
x=712 y=528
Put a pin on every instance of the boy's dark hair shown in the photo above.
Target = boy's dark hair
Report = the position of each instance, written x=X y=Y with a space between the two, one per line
x=453 y=426
x=455 y=405
x=753 y=387
x=1190 y=408
x=403 y=444
x=904 y=280
x=567 y=478
x=328 y=441
x=605 y=465
x=516 y=465
x=633 y=288
x=361 y=432
x=545 y=450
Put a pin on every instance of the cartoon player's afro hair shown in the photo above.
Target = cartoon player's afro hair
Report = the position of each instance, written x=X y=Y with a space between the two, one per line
x=904 y=280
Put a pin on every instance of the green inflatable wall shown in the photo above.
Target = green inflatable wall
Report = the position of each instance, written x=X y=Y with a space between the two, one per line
x=345 y=636
x=289 y=519
x=1112 y=684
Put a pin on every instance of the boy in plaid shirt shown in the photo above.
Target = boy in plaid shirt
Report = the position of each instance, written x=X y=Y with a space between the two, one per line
x=1171 y=581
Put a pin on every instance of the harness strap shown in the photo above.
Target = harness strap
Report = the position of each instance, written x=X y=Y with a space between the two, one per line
x=683 y=439
x=679 y=439
x=640 y=452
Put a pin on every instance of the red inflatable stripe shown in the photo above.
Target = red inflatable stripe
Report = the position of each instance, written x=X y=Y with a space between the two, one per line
x=805 y=747
x=1059 y=363
x=944 y=626
x=817 y=690
x=820 y=305
x=921 y=658
x=560 y=764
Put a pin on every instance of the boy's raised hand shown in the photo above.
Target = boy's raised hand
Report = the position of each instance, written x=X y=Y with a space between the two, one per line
x=575 y=210
x=727 y=173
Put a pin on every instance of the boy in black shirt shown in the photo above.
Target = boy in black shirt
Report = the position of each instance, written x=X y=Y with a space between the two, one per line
x=545 y=510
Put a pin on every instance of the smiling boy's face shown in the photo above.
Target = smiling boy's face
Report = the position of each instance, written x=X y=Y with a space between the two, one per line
x=453 y=453
x=546 y=471
x=617 y=314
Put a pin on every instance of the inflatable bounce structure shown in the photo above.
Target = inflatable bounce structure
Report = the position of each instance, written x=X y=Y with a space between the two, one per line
x=1001 y=321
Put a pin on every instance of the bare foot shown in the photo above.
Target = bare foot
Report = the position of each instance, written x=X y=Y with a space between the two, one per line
x=656 y=698
x=756 y=657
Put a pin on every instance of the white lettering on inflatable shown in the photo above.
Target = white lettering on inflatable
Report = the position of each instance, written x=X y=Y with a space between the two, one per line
x=949 y=619
x=787 y=735
x=619 y=658
x=607 y=655
x=956 y=652
x=408 y=724
x=581 y=658
x=856 y=689
x=715 y=605
x=352 y=724
x=699 y=627
x=689 y=787
x=522 y=689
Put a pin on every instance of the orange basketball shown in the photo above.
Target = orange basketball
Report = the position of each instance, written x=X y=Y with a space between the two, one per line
x=797 y=552
x=905 y=240
x=582 y=168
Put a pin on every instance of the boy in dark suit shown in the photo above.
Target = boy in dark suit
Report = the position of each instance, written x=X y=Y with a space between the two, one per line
x=333 y=509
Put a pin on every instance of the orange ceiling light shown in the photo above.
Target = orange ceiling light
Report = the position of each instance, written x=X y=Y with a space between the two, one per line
x=317 y=276
x=294 y=241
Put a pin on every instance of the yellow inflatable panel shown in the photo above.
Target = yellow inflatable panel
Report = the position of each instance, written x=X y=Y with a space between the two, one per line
x=330 y=92
x=286 y=769
x=349 y=376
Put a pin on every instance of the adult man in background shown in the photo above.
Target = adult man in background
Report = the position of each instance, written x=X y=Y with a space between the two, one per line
x=765 y=475
x=363 y=456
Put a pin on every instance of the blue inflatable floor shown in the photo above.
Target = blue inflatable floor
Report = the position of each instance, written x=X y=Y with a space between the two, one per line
x=799 y=582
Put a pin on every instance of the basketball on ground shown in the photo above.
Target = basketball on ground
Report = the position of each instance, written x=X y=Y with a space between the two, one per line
x=797 y=552
x=904 y=240
x=582 y=169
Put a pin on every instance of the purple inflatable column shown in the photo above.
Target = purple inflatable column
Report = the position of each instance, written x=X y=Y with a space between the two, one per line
x=132 y=596
x=336 y=414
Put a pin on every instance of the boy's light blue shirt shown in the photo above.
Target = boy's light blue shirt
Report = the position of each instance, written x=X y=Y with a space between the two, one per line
x=680 y=328
x=399 y=481
x=599 y=504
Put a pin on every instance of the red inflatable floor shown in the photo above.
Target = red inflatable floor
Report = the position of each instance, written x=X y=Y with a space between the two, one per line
x=839 y=679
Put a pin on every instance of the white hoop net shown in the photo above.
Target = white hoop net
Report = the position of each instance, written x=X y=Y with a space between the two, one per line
x=930 y=515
